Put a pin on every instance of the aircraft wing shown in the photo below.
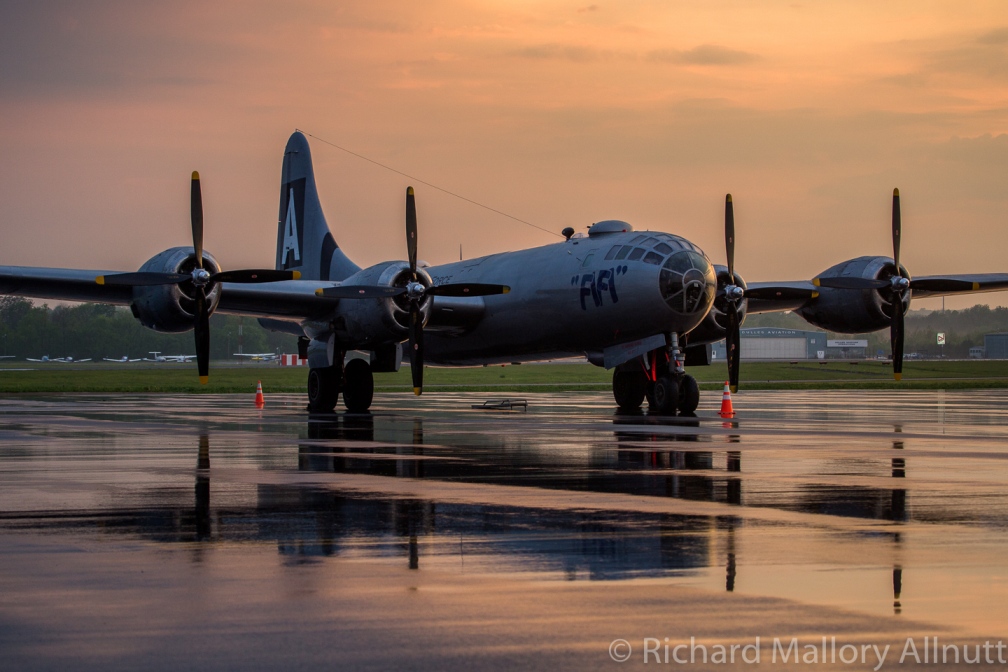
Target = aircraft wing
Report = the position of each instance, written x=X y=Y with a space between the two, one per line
x=290 y=298
x=287 y=298
x=770 y=297
x=455 y=314
x=945 y=285
x=65 y=284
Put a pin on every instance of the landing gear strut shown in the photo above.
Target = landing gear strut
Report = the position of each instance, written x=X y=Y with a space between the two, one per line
x=659 y=377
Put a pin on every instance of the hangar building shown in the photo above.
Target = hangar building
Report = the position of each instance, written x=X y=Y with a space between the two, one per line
x=775 y=343
x=996 y=346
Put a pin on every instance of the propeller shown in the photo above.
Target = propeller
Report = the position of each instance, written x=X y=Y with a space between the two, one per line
x=733 y=295
x=200 y=279
x=415 y=292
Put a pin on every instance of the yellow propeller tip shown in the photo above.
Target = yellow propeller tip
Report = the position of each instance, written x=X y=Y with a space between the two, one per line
x=100 y=279
x=898 y=376
x=895 y=192
x=815 y=281
x=727 y=198
x=297 y=275
x=318 y=292
x=417 y=391
x=507 y=290
x=976 y=286
x=733 y=388
x=203 y=380
x=195 y=175
x=409 y=191
x=815 y=295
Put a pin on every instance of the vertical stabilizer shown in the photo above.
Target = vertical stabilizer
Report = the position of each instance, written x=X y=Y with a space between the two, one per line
x=304 y=242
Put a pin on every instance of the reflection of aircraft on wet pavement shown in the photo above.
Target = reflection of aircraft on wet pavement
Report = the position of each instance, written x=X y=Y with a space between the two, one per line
x=58 y=360
x=644 y=304
x=313 y=517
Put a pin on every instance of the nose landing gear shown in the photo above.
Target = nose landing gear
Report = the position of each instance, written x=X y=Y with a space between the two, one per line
x=660 y=377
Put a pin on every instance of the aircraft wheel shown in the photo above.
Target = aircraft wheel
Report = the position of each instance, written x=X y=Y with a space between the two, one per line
x=629 y=388
x=665 y=396
x=323 y=390
x=689 y=395
x=358 y=386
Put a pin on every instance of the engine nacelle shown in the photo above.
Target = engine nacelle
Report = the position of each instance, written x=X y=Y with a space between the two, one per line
x=171 y=308
x=855 y=311
x=361 y=323
x=715 y=324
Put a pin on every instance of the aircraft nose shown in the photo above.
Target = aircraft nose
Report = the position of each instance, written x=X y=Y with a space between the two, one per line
x=687 y=282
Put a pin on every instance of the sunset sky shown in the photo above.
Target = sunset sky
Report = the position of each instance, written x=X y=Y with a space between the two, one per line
x=558 y=113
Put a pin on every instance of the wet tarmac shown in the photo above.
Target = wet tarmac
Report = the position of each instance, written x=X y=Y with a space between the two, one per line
x=200 y=532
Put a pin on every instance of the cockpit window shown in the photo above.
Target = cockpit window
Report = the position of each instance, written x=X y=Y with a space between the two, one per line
x=624 y=251
x=612 y=252
x=652 y=258
x=637 y=253
x=662 y=248
x=637 y=238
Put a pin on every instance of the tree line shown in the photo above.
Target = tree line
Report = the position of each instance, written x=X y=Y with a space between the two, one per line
x=99 y=330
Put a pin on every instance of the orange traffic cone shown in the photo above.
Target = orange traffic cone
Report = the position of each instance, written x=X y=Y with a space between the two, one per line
x=260 y=402
x=726 y=406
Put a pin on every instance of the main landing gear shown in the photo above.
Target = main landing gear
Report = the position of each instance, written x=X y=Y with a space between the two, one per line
x=354 y=380
x=660 y=378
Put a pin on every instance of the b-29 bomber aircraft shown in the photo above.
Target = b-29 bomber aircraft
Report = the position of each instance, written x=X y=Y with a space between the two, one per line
x=643 y=303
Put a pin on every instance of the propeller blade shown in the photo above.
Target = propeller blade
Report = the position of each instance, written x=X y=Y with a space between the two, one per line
x=467 y=289
x=360 y=292
x=850 y=283
x=201 y=330
x=896 y=337
x=733 y=346
x=896 y=229
x=196 y=215
x=779 y=293
x=416 y=348
x=254 y=276
x=411 y=230
x=143 y=279
x=729 y=235
x=944 y=285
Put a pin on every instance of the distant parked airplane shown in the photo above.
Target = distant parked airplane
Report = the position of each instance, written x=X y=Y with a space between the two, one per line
x=60 y=360
x=158 y=357
x=123 y=360
x=259 y=356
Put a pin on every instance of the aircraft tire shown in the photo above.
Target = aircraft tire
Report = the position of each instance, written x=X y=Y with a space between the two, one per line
x=358 y=386
x=323 y=389
x=629 y=388
x=689 y=395
x=665 y=396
